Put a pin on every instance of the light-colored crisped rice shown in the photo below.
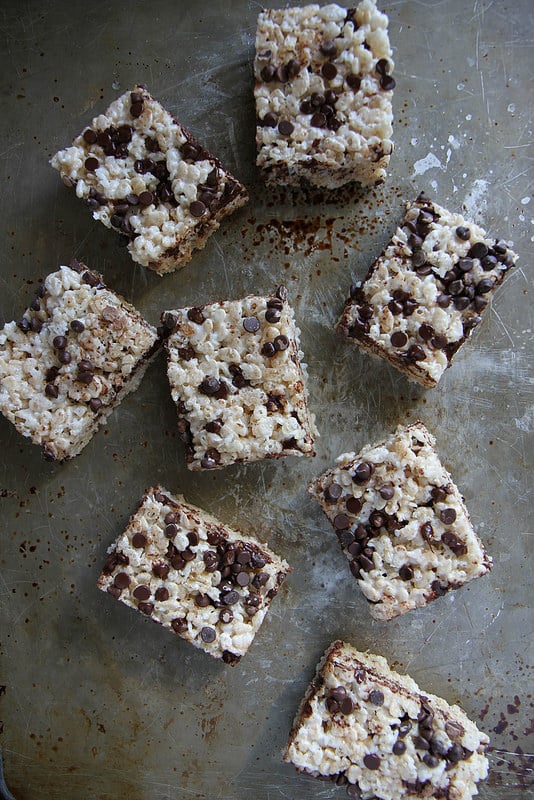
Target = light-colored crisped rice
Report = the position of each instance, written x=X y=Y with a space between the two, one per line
x=383 y=709
x=261 y=410
x=412 y=563
x=163 y=234
x=357 y=145
x=436 y=325
x=115 y=340
x=183 y=595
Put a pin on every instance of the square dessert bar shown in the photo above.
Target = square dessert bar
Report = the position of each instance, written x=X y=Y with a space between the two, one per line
x=145 y=175
x=427 y=292
x=323 y=90
x=77 y=351
x=401 y=522
x=238 y=381
x=362 y=724
x=199 y=578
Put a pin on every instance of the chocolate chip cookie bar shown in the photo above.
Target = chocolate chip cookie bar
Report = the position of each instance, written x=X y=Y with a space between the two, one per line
x=323 y=90
x=427 y=292
x=367 y=727
x=236 y=375
x=145 y=176
x=201 y=579
x=401 y=522
x=73 y=356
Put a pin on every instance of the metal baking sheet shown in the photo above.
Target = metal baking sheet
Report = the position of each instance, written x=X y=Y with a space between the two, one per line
x=98 y=702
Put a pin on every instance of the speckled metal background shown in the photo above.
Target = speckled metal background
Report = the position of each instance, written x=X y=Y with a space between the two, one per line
x=98 y=702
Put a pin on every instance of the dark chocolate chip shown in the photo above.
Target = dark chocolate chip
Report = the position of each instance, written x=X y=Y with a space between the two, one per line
x=136 y=109
x=430 y=760
x=281 y=343
x=95 y=404
x=202 y=600
x=139 y=540
x=145 y=199
x=121 y=580
x=141 y=592
x=426 y=332
x=418 y=258
x=36 y=325
x=415 y=353
x=371 y=761
x=461 y=303
x=328 y=48
x=444 y=300
x=376 y=519
x=197 y=208
x=89 y=136
x=363 y=472
x=77 y=326
x=329 y=71
x=267 y=73
x=353 y=505
x=420 y=743
x=354 y=549
x=382 y=66
x=179 y=625
x=91 y=164
x=341 y=522
x=406 y=573
x=51 y=391
x=386 y=491
x=399 y=338
x=64 y=357
x=333 y=492
x=399 y=748
x=208 y=634
x=272 y=315
x=448 y=516
x=426 y=530
x=285 y=127
x=162 y=594
x=268 y=349
x=292 y=68
x=439 y=342
x=465 y=264
x=189 y=151
x=376 y=697
x=318 y=120
x=353 y=82
x=456 y=545
x=306 y=107
x=438 y=494
x=366 y=563
x=242 y=579
x=281 y=74
x=478 y=250
x=195 y=315
x=484 y=286
x=387 y=83
x=210 y=386
x=230 y=598
x=463 y=233
x=59 y=342
x=226 y=616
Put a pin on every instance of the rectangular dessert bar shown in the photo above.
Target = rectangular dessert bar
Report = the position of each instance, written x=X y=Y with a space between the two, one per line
x=143 y=174
x=363 y=724
x=323 y=90
x=208 y=583
x=401 y=522
x=427 y=292
x=236 y=375
x=77 y=351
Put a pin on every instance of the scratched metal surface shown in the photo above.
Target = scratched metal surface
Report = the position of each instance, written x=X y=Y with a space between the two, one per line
x=99 y=703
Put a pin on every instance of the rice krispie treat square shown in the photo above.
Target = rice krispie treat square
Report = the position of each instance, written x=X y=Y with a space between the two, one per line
x=202 y=580
x=401 y=522
x=427 y=292
x=77 y=351
x=323 y=89
x=144 y=174
x=236 y=375
x=364 y=725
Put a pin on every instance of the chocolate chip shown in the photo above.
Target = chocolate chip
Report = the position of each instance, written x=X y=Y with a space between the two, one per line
x=439 y=342
x=333 y=492
x=443 y=300
x=210 y=386
x=211 y=458
x=371 y=761
x=354 y=549
x=365 y=563
x=426 y=530
x=77 y=326
x=354 y=82
x=59 y=342
x=418 y=258
x=478 y=250
x=387 y=83
x=306 y=107
x=230 y=598
x=162 y=594
x=455 y=753
x=190 y=151
x=267 y=73
x=386 y=491
x=363 y=472
x=64 y=357
x=415 y=353
x=145 y=608
x=438 y=588
x=426 y=332
x=281 y=74
x=353 y=791
x=438 y=494
x=376 y=697
x=179 y=625
x=329 y=71
x=420 y=743
x=95 y=404
x=242 y=579
x=406 y=573
x=136 y=109
x=484 y=286
x=139 y=540
x=91 y=164
x=161 y=570
x=292 y=68
x=197 y=208
x=399 y=338
x=285 y=127
x=318 y=120
x=121 y=580
x=195 y=315
x=187 y=555
x=399 y=748
x=146 y=199
x=141 y=592
x=341 y=522
x=465 y=264
x=382 y=66
x=268 y=349
x=328 y=48
x=36 y=325
x=461 y=302
x=281 y=343
x=23 y=325
x=430 y=760
x=89 y=136
x=202 y=600
x=272 y=315
x=208 y=634
x=226 y=616
x=448 y=516
x=353 y=505
x=463 y=233
x=376 y=519
x=456 y=545
x=51 y=391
